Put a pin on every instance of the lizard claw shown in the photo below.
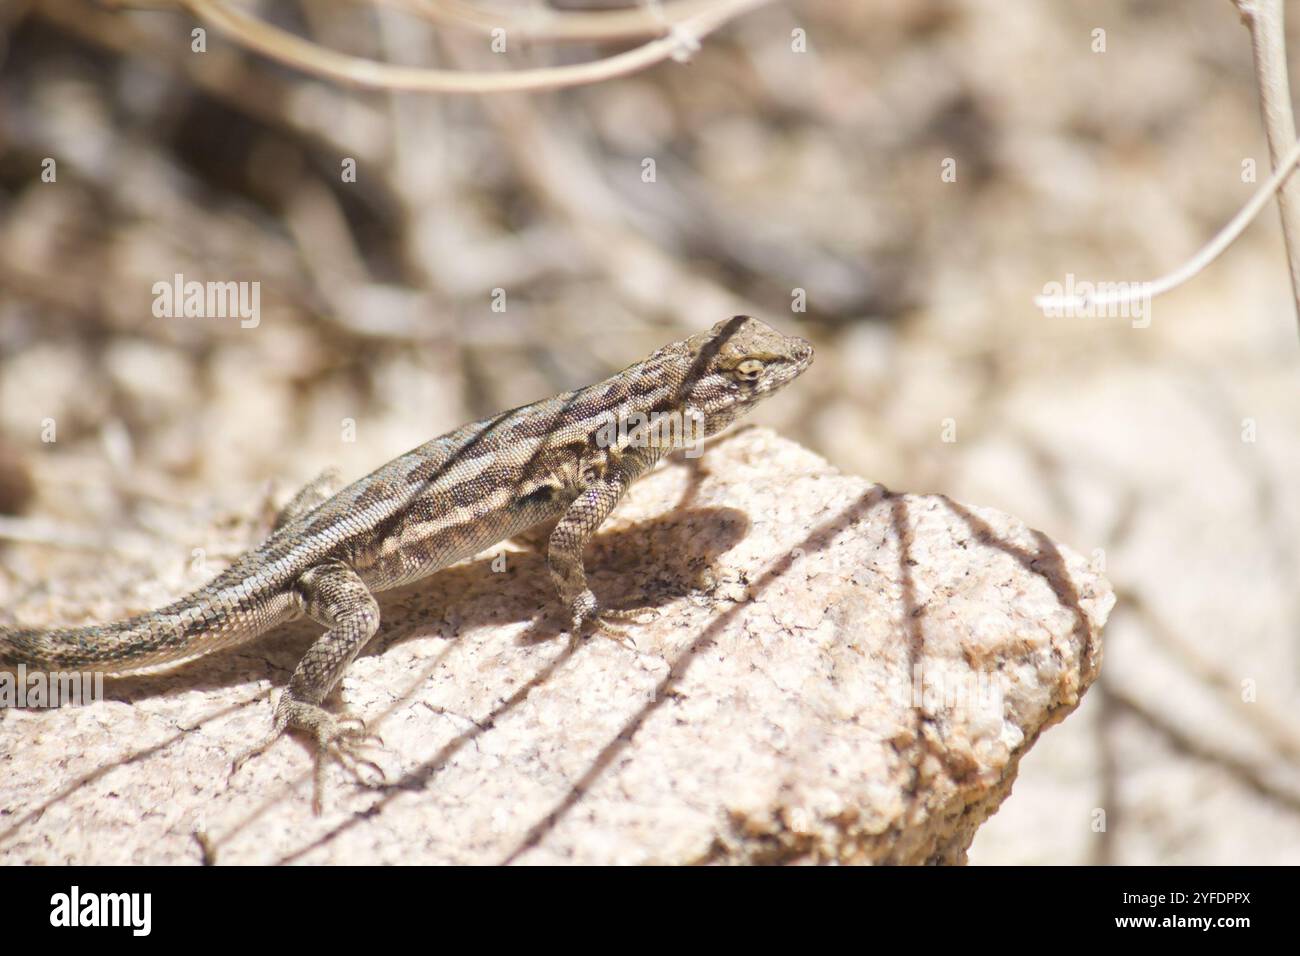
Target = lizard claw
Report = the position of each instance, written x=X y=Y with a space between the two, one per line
x=354 y=728
x=637 y=615
x=345 y=740
x=348 y=756
x=353 y=731
x=342 y=739
x=588 y=613
x=615 y=633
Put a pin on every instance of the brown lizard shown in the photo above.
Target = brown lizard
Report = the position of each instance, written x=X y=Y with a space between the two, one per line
x=564 y=461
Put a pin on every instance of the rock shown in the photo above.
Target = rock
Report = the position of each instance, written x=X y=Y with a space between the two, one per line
x=765 y=716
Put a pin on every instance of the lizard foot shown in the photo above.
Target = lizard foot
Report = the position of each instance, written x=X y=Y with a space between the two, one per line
x=588 y=613
x=346 y=745
x=342 y=739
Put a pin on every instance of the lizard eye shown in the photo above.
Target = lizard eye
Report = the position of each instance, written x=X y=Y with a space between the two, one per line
x=749 y=370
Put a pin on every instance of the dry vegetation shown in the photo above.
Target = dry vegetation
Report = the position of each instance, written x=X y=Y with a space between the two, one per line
x=1172 y=449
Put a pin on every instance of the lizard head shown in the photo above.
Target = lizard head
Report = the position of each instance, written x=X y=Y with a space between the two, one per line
x=735 y=365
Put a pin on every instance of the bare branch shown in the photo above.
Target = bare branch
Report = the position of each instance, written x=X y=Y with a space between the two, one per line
x=1268 y=40
x=1132 y=292
x=683 y=38
x=545 y=23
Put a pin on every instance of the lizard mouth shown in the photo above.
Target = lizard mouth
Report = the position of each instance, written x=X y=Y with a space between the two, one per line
x=803 y=354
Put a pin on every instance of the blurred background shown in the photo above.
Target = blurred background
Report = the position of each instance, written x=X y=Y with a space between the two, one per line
x=897 y=187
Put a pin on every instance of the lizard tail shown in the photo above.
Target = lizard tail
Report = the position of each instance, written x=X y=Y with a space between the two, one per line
x=193 y=626
x=134 y=642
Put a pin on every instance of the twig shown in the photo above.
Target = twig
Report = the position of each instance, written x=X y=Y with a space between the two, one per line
x=1129 y=293
x=1268 y=41
x=1247 y=771
x=1273 y=725
x=544 y=23
x=260 y=92
x=292 y=49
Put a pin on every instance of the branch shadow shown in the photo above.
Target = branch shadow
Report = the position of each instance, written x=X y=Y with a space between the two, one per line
x=816 y=540
x=668 y=553
x=1047 y=563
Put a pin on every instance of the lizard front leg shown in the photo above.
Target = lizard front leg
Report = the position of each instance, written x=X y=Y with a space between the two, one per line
x=567 y=542
x=335 y=596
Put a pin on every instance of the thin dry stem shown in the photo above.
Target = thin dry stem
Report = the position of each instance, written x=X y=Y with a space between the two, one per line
x=544 y=23
x=1133 y=292
x=1264 y=18
x=289 y=48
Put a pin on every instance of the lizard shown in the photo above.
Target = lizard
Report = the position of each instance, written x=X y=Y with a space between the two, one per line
x=558 y=466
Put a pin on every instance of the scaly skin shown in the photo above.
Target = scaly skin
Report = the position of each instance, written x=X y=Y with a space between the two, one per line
x=556 y=461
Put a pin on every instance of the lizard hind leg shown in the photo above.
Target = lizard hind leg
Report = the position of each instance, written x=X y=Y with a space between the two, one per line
x=335 y=596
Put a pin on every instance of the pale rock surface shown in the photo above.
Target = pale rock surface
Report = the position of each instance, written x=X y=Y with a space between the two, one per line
x=836 y=673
